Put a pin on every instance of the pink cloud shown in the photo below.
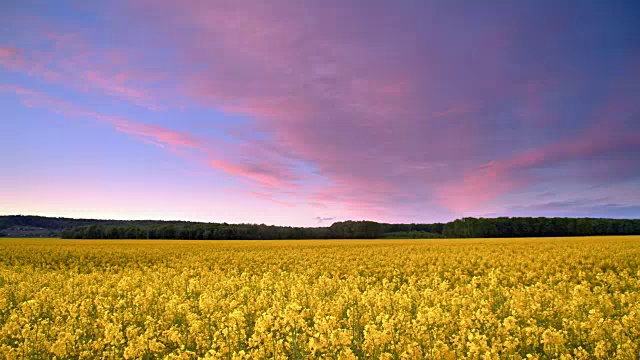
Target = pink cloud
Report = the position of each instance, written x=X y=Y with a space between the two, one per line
x=15 y=89
x=268 y=197
x=265 y=171
x=68 y=60
x=157 y=134
x=10 y=56
x=116 y=85
x=381 y=111
x=264 y=174
x=607 y=146
x=479 y=187
x=330 y=97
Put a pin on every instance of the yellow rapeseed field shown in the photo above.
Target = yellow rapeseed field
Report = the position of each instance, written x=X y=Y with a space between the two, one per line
x=571 y=298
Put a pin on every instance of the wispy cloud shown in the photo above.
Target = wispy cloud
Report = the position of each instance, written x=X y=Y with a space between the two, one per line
x=70 y=60
x=405 y=124
x=321 y=220
x=264 y=174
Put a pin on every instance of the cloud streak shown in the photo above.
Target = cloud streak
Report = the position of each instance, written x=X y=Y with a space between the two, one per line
x=264 y=174
x=69 y=60
x=323 y=219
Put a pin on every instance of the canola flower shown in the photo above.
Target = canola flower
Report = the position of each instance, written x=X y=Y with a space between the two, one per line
x=570 y=298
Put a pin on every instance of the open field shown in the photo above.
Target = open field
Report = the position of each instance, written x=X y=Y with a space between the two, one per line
x=381 y=299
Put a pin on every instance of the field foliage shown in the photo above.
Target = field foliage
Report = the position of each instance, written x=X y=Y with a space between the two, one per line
x=336 y=299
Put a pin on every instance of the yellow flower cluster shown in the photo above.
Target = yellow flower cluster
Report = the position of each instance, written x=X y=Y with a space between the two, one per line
x=572 y=298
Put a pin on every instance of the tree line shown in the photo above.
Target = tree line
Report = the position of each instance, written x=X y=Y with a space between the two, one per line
x=224 y=231
x=538 y=227
x=196 y=232
x=60 y=223
x=460 y=228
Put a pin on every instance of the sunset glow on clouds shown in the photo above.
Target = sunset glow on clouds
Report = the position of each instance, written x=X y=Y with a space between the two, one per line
x=287 y=112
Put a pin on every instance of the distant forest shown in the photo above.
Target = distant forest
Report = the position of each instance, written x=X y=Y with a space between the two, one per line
x=17 y=226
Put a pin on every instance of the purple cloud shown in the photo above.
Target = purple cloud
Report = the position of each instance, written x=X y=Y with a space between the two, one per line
x=416 y=111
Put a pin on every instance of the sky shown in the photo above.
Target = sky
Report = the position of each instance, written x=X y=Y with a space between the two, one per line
x=308 y=112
